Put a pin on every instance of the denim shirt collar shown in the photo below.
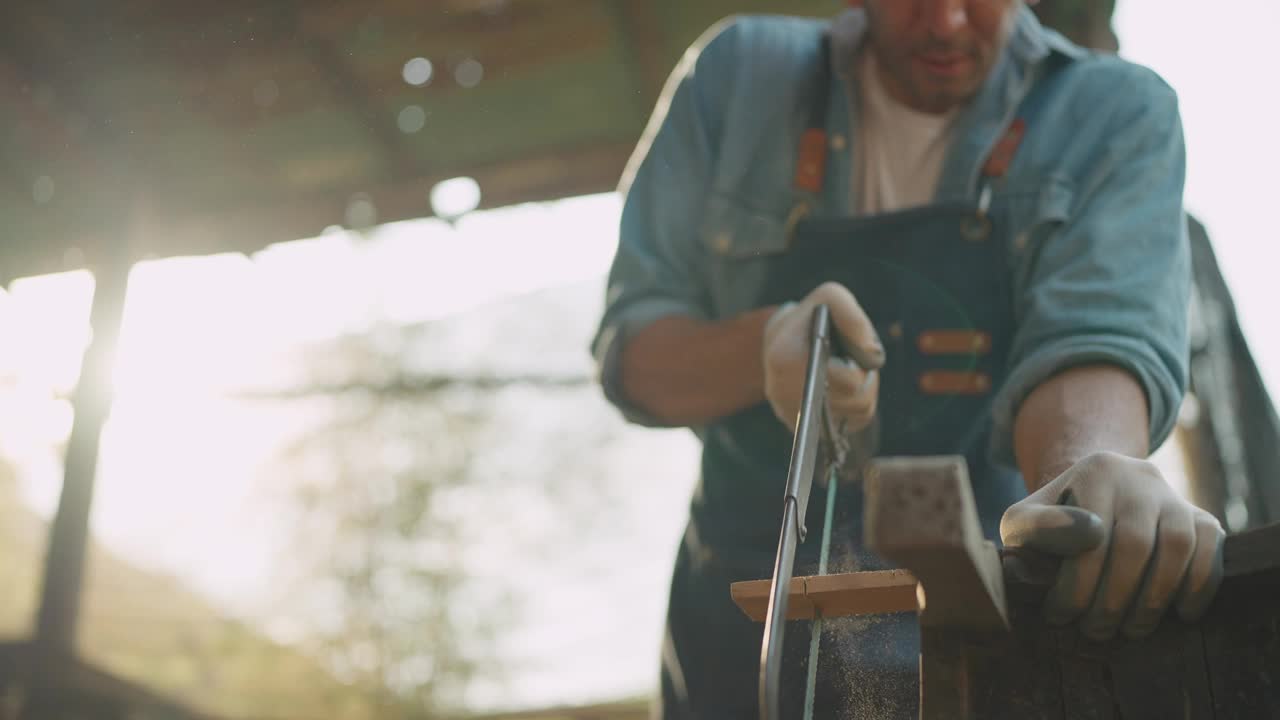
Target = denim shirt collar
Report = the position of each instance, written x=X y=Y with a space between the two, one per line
x=981 y=124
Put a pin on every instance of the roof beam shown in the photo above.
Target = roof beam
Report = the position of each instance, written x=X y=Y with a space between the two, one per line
x=643 y=41
x=66 y=96
x=555 y=173
x=398 y=155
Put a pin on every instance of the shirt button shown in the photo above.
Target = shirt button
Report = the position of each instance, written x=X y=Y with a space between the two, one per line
x=895 y=330
x=837 y=142
x=722 y=242
x=1020 y=242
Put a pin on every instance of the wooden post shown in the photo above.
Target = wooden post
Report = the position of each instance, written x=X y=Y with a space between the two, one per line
x=56 y=623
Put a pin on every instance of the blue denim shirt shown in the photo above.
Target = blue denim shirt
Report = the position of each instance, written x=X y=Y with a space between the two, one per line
x=1096 y=241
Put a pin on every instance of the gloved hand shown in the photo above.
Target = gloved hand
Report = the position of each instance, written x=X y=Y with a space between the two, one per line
x=852 y=385
x=1132 y=547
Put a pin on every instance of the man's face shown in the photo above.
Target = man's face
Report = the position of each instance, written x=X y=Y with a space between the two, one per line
x=935 y=54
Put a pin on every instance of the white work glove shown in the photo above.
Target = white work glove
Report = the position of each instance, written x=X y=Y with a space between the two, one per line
x=1132 y=547
x=853 y=385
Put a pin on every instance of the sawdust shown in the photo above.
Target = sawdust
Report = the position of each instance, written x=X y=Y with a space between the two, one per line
x=871 y=662
x=876 y=659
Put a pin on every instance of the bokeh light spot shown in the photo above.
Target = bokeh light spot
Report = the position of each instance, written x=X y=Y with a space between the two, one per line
x=266 y=93
x=418 y=71
x=468 y=73
x=411 y=119
x=455 y=197
x=42 y=189
x=361 y=213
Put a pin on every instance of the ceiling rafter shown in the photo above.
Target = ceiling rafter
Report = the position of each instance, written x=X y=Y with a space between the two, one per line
x=173 y=98
x=640 y=33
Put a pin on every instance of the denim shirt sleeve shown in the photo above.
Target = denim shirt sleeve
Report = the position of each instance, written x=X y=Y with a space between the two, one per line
x=662 y=267
x=1112 y=284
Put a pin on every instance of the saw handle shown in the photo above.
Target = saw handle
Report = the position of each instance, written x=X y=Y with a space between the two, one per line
x=808 y=438
x=1024 y=566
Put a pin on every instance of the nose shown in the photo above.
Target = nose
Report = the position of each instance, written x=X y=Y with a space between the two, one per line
x=945 y=18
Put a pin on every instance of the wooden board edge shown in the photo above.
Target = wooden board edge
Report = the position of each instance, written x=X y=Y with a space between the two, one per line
x=838 y=595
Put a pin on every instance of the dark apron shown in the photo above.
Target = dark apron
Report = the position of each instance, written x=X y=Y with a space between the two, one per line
x=934 y=280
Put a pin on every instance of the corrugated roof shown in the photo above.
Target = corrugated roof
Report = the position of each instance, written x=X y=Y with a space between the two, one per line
x=191 y=128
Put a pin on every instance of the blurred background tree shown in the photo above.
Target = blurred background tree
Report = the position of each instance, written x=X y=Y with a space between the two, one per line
x=406 y=477
x=376 y=542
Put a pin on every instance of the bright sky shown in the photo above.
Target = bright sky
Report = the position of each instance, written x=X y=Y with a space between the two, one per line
x=1220 y=57
x=197 y=328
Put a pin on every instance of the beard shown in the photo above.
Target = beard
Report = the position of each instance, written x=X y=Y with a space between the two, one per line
x=931 y=73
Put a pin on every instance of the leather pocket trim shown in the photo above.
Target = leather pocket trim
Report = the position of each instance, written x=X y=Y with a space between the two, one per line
x=954 y=342
x=952 y=382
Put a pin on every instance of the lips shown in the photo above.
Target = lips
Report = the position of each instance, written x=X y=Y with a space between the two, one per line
x=944 y=65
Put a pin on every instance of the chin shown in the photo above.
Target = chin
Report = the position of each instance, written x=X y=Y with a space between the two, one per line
x=941 y=97
x=935 y=102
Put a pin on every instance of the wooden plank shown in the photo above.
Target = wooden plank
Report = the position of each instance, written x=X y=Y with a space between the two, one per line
x=1011 y=676
x=753 y=598
x=1226 y=666
x=1163 y=676
x=1241 y=633
x=865 y=593
x=945 y=684
x=839 y=595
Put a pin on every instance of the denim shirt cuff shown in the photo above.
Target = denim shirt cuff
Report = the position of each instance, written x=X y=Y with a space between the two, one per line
x=611 y=340
x=1163 y=391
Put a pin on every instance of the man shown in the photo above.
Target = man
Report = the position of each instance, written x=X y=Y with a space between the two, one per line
x=994 y=217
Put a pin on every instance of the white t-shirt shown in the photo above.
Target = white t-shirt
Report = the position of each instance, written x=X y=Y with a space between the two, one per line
x=899 y=151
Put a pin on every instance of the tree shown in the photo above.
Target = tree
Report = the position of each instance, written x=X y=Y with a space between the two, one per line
x=390 y=498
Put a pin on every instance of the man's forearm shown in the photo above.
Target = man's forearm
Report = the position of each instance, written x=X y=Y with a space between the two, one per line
x=687 y=372
x=1081 y=411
